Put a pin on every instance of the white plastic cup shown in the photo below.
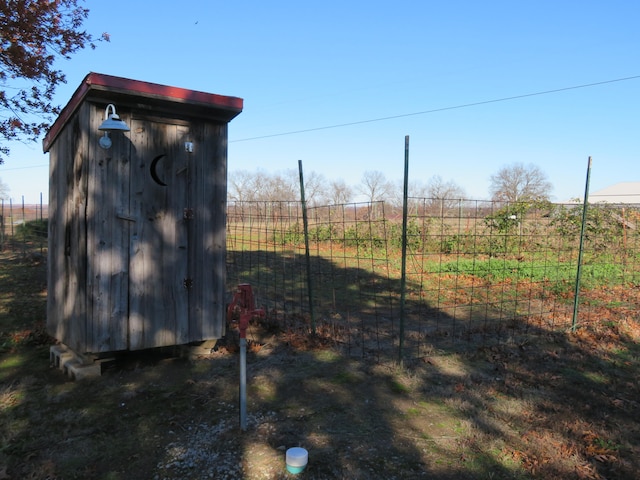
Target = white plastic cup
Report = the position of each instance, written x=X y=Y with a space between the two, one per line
x=297 y=459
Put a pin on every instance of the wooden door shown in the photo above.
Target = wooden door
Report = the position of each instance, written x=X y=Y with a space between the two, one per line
x=158 y=251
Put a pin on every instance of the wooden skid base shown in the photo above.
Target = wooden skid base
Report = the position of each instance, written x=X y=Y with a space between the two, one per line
x=75 y=366
x=200 y=349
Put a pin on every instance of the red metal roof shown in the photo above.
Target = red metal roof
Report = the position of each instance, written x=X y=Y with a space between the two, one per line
x=106 y=85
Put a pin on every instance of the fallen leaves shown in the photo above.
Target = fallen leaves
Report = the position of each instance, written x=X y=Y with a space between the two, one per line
x=599 y=449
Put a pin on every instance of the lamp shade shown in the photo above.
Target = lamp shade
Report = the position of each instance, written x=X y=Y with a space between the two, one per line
x=112 y=122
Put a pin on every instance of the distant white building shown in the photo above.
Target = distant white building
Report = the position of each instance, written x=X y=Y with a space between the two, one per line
x=618 y=193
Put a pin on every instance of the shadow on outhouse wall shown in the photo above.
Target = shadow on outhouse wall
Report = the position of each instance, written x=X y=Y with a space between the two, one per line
x=137 y=230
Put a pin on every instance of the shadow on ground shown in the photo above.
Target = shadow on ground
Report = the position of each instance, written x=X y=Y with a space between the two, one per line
x=564 y=406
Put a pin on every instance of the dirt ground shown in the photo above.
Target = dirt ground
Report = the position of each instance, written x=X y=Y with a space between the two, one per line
x=563 y=407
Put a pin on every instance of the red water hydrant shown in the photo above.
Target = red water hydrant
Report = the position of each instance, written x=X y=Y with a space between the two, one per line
x=243 y=307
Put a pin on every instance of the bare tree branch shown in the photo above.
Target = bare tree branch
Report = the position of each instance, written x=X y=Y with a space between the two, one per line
x=520 y=183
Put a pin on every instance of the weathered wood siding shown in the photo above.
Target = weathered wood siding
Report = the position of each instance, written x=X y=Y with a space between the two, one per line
x=159 y=247
x=208 y=238
x=66 y=300
x=107 y=239
x=135 y=264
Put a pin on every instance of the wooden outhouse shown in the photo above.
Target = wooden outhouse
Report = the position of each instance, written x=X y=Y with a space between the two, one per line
x=137 y=230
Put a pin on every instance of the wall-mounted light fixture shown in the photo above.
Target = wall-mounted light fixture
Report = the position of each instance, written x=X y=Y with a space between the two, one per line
x=111 y=123
x=105 y=141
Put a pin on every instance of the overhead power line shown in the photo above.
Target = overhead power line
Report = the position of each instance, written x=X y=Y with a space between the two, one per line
x=442 y=109
x=24 y=168
x=424 y=112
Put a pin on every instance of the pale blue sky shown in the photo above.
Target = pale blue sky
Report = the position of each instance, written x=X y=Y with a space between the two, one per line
x=307 y=65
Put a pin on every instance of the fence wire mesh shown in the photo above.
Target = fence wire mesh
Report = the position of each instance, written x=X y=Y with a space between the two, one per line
x=23 y=226
x=477 y=272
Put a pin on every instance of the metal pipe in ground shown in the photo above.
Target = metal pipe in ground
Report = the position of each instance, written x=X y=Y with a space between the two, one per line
x=243 y=384
x=244 y=324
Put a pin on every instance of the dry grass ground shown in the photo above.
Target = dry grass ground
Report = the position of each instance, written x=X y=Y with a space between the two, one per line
x=564 y=407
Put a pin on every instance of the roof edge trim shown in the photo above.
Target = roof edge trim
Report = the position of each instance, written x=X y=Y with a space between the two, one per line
x=124 y=86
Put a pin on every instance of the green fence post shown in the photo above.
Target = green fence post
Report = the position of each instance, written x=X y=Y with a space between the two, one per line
x=403 y=278
x=305 y=223
x=576 y=296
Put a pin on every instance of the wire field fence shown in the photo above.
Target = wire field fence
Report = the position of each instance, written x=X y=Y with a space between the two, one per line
x=476 y=273
x=23 y=226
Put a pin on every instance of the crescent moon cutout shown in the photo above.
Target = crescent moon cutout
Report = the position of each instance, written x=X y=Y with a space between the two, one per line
x=154 y=173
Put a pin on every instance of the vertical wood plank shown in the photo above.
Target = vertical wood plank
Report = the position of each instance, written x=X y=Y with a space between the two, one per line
x=76 y=222
x=107 y=241
x=66 y=313
x=196 y=261
x=56 y=273
x=207 y=310
x=158 y=301
x=218 y=318
x=180 y=201
x=139 y=263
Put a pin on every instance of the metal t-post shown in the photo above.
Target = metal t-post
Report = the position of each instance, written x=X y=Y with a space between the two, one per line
x=403 y=277
x=305 y=223
x=576 y=296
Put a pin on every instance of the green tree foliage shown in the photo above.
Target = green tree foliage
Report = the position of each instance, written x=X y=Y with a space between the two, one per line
x=33 y=34
x=603 y=228
x=508 y=218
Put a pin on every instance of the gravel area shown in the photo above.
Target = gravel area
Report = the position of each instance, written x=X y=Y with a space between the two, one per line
x=203 y=451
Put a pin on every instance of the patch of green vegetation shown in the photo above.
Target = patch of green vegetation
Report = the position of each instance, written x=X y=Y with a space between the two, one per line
x=16 y=362
x=558 y=276
x=626 y=357
x=398 y=386
x=596 y=377
x=291 y=236
x=32 y=230
x=460 y=428
x=324 y=233
x=346 y=378
x=413 y=412
x=13 y=361
x=585 y=377
x=607 y=444
x=492 y=464
x=364 y=236
x=264 y=390
x=327 y=356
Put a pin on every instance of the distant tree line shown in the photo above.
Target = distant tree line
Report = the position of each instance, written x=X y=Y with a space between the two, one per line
x=514 y=183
